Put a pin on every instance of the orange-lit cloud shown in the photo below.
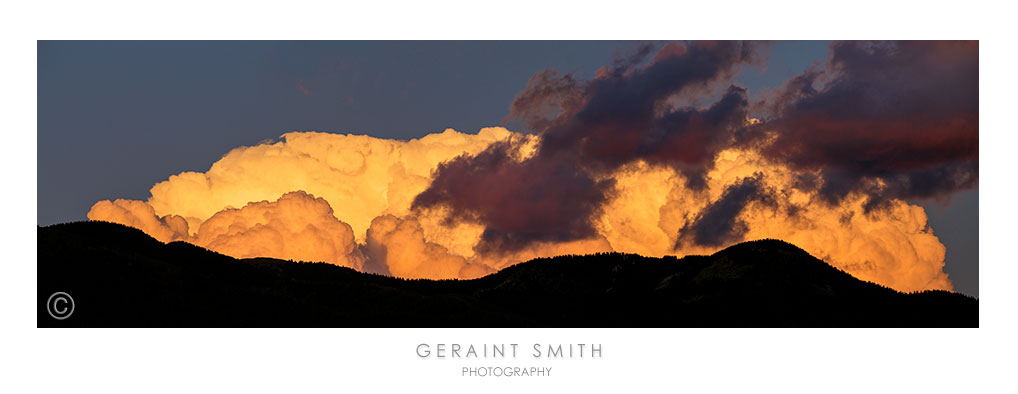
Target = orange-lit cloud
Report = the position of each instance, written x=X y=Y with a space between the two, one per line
x=398 y=247
x=361 y=177
x=139 y=214
x=297 y=226
x=894 y=247
x=347 y=200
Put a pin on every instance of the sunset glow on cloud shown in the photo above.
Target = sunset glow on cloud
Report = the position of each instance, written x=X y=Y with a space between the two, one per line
x=650 y=208
x=623 y=162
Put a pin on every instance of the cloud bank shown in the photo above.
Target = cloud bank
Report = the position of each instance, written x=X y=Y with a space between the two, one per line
x=657 y=154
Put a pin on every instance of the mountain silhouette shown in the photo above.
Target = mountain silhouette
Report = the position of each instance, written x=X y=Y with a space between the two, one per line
x=120 y=277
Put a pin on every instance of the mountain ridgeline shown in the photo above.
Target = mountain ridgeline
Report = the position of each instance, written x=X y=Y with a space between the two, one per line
x=120 y=277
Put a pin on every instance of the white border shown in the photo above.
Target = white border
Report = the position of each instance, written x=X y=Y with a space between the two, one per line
x=342 y=360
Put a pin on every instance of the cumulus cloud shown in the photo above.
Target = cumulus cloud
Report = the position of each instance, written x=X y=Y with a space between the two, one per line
x=140 y=215
x=297 y=226
x=360 y=176
x=651 y=211
x=397 y=247
x=654 y=213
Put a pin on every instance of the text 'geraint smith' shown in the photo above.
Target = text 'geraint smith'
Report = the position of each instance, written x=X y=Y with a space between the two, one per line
x=509 y=350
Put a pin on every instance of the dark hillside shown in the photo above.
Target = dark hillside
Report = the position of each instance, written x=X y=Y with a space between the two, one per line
x=121 y=277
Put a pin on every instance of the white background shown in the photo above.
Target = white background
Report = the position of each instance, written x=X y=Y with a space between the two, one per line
x=635 y=360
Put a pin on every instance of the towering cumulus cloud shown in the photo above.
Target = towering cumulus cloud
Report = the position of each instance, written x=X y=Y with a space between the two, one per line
x=309 y=196
x=657 y=154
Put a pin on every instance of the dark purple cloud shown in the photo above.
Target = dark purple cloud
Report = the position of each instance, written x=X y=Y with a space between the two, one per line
x=547 y=199
x=718 y=223
x=888 y=119
x=891 y=120
x=631 y=110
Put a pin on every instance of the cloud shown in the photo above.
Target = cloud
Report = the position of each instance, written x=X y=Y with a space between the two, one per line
x=297 y=226
x=517 y=201
x=893 y=120
x=587 y=130
x=654 y=213
x=140 y=215
x=650 y=209
x=397 y=247
x=718 y=223
x=360 y=176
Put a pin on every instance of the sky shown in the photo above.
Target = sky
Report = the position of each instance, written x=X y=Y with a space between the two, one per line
x=116 y=117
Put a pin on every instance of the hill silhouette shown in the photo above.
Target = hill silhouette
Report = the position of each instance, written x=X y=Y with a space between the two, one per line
x=121 y=277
